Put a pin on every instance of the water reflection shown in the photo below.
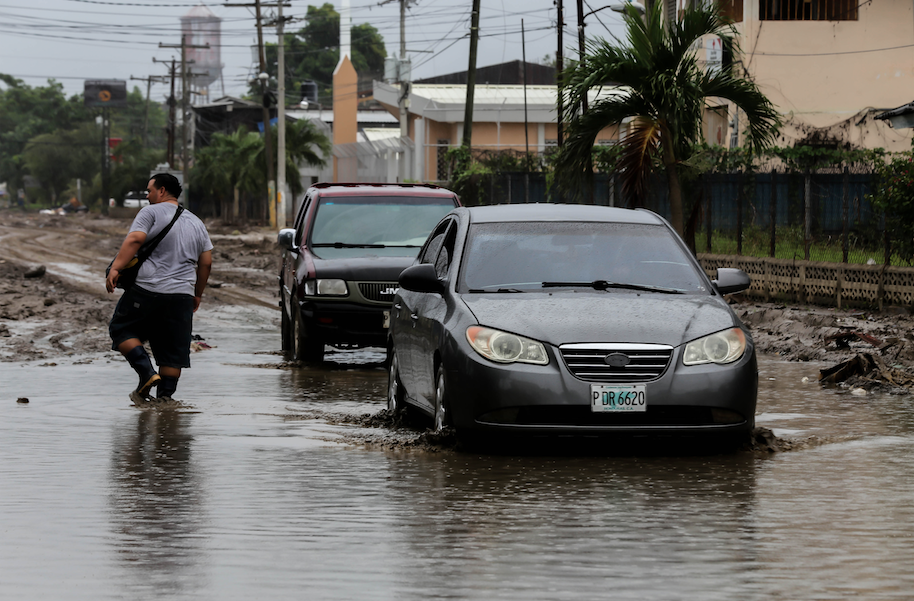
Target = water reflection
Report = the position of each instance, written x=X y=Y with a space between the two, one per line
x=563 y=528
x=155 y=501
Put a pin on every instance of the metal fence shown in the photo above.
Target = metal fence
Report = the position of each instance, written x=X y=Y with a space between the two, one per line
x=821 y=215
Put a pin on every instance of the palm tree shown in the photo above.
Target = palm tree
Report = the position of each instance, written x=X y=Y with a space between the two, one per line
x=230 y=162
x=664 y=92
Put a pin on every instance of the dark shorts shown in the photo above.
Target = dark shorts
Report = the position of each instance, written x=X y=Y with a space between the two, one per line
x=163 y=320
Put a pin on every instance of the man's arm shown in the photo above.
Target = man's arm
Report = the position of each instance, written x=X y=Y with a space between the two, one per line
x=204 y=267
x=129 y=248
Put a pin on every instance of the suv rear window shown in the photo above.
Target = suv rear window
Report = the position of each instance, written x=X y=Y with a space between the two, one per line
x=389 y=226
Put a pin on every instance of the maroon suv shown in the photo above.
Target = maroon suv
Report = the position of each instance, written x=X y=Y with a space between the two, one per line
x=341 y=261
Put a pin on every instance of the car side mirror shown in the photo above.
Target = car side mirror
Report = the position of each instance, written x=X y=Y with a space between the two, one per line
x=286 y=239
x=421 y=278
x=731 y=281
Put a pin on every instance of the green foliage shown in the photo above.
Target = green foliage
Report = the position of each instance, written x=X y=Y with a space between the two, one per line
x=893 y=193
x=27 y=112
x=59 y=157
x=313 y=52
x=466 y=174
x=237 y=161
x=131 y=164
x=665 y=92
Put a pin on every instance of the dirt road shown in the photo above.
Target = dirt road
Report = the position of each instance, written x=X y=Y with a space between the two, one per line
x=66 y=310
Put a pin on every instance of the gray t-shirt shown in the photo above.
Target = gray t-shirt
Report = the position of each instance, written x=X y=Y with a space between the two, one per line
x=172 y=266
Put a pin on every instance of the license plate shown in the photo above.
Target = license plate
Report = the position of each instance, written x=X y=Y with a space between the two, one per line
x=617 y=398
x=387 y=319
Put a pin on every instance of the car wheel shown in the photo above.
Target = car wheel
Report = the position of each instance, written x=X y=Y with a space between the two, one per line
x=442 y=418
x=306 y=348
x=395 y=393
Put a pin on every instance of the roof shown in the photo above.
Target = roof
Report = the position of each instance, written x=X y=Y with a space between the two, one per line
x=560 y=212
x=492 y=103
x=512 y=72
x=361 y=116
x=901 y=110
x=361 y=189
x=901 y=117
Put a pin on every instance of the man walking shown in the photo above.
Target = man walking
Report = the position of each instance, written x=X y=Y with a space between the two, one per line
x=159 y=307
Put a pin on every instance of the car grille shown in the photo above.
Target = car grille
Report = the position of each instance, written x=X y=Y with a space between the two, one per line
x=379 y=291
x=645 y=362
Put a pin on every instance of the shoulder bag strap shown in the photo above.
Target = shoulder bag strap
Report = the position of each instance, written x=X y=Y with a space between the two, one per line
x=150 y=246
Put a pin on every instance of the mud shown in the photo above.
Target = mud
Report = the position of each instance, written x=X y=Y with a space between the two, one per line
x=53 y=305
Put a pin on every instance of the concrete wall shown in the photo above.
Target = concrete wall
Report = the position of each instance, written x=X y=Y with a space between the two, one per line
x=832 y=76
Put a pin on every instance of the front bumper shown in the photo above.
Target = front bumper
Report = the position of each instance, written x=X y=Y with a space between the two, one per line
x=345 y=323
x=705 y=399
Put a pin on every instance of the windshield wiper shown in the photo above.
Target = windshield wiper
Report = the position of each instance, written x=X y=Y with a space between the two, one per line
x=605 y=285
x=502 y=290
x=347 y=245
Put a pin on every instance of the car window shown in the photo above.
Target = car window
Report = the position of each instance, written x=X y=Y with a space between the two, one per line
x=524 y=255
x=436 y=238
x=375 y=225
x=446 y=253
x=300 y=219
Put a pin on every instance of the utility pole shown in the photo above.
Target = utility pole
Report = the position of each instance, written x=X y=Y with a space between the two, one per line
x=170 y=151
x=185 y=110
x=148 y=80
x=471 y=77
x=558 y=72
x=264 y=77
x=581 y=48
x=281 y=192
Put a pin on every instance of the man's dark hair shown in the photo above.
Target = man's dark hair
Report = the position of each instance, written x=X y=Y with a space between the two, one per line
x=169 y=182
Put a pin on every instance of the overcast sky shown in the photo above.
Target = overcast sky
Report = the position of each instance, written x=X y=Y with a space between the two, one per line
x=75 y=40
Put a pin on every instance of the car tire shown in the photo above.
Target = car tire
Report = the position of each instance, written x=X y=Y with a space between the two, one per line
x=441 y=419
x=285 y=327
x=396 y=398
x=305 y=348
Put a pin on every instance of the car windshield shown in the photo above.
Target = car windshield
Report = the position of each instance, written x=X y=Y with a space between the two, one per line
x=387 y=226
x=563 y=256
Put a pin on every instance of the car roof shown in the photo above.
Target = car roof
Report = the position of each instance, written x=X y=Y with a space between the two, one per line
x=559 y=212
x=361 y=189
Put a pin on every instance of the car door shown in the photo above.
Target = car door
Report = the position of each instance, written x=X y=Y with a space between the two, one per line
x=404 y=319
x=431 y=311
x=292 y=261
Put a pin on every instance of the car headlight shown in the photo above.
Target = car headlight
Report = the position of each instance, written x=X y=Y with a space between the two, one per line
x=506 y=348
x=722 y=347
x=326 y=287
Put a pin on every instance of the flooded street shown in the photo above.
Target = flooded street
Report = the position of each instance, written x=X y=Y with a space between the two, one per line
x=249 y=494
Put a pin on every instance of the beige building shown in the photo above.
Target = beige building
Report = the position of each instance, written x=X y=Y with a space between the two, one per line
x=829 y=66
x=437 y=112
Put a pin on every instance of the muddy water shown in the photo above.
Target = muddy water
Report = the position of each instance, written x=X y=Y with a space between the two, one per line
x=229 y=499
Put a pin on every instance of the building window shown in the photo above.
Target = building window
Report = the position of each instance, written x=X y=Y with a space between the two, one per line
x=808 y=10
x=731 y=9
x=443 y=146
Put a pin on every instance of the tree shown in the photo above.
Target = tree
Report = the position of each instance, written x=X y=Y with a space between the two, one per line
x=664 y=92
x=26 y=112
x=59 y=157
x=235 y=163
x=313 y=52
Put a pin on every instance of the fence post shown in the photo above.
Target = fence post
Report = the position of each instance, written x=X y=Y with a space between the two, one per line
x=774 y=212
x=844 y=244
x=739 y=213
x=708 y=216
x=807 y=216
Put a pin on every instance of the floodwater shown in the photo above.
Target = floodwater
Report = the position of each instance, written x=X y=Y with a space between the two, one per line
x=230 y=499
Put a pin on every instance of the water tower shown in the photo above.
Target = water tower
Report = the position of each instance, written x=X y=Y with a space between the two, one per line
x=200 y=27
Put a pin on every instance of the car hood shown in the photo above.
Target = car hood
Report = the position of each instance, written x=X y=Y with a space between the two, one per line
x=374 y=268
x=569 y=317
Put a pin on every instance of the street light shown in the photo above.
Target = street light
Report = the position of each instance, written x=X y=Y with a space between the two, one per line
x=620 y=7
